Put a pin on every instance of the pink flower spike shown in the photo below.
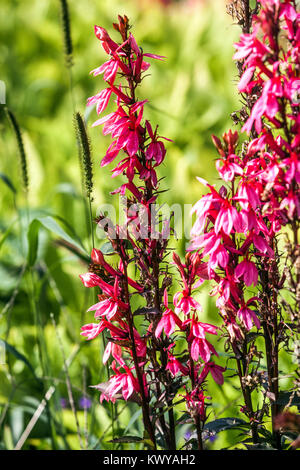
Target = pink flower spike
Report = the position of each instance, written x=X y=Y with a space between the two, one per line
x=107 y=43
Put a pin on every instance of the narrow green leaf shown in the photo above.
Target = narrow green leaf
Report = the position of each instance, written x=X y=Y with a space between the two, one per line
x=33 y=241
x=50 y=224
x=134 y=418
x=8 y=182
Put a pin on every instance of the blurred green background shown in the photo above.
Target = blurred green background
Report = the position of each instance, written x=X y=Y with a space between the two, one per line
x=191 y=95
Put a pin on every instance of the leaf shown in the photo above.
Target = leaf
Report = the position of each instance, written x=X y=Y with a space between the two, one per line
x=107 y=249
x=134 y=418
x=66 y=188
x=7 y=232
x=33 y=241
x=50 y=224
x=127 y=439
x=260 y=446
x=8 y=182
x=222 y=424
x=252 y=336
x=85 y=257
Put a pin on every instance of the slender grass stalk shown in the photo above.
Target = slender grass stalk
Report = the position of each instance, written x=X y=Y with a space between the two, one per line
x=85 y=411
x=31 y=289
x=66 y=29
x=68 y=381
x=43 y=404
x=86 y=163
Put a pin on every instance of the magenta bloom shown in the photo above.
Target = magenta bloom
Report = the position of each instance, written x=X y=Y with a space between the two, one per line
x=228 y=168
x=109 y=306
x=201 y=347
x=123 y=382
x=106 y=307
x=215 y=370
x=90 y=279
x=227 y=218
x=168 y=321
x=92 y=330
x=175 y=366
x=186 y=303
x=247 y=271
x=248 y=316
x=113 y=350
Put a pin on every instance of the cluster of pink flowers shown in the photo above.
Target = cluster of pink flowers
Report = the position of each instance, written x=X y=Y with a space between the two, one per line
x=195 y=331
x=125 y=124
x=230 y=230
x=236 y=224
x=271 y=65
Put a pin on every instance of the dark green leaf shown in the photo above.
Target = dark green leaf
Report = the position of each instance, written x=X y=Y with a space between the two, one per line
x=50 y=224
x=260 y=446
x=223 y=424
x=290 y=398
x=127 y=439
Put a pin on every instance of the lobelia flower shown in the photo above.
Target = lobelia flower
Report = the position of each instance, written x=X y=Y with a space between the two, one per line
x=201 y=347
x=168 y=321
x=123 y=382
x=248 y=317
x=175 y=366
x=113 y=350
x=185 y=303
x=92 y=330
x=247 y=271
x=195 y=403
